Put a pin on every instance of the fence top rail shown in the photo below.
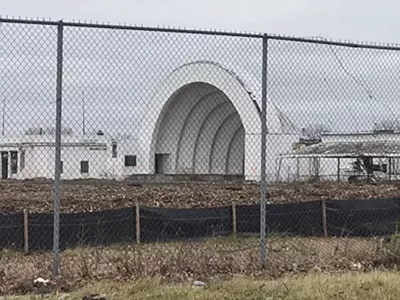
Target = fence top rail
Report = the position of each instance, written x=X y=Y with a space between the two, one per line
x=131 y=27
x=312 y=40
x=324 y=41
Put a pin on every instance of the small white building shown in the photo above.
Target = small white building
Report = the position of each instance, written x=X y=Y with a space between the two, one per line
x=83 y=157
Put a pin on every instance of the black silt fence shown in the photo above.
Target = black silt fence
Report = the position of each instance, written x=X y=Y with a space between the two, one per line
x=41 y=231
x=291 y=219
x=248 y=219
x=12 y=231
x=371 y=217
x=301 y=219
x=83 y=229
x=164 y=224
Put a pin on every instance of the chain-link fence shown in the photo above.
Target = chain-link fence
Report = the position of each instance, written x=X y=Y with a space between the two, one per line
x=192 y=154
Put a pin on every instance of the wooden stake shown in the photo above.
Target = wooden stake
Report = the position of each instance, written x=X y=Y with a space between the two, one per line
x=26 y=231
x=137 y=210
x=324 y=221
x=234 y=224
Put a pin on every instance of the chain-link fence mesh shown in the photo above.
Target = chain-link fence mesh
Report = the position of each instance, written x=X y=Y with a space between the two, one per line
x=161 y=134
x=342 y=99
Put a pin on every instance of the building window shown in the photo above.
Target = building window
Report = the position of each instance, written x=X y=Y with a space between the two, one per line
x=14 y=162
x=130 y=160
x=84 y=166
x=114 y=150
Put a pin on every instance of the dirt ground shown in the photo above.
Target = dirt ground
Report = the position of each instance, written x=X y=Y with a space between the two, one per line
x=101 y=195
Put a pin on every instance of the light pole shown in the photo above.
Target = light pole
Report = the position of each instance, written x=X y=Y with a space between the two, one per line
x=3 y=117
x=83 y=113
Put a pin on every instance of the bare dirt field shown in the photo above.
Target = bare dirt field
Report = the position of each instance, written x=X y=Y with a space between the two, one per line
x=101 y=195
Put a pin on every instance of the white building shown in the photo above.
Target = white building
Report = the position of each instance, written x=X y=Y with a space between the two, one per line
x=202 y=119
x=205 y=119
x=98 y=156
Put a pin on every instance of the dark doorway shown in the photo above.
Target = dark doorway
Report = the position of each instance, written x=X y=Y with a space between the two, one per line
x=4 y=165
x=161 y=163
x=14 y=162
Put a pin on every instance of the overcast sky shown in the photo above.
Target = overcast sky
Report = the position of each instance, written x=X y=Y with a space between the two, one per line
x=113 y=69
x=370 y=20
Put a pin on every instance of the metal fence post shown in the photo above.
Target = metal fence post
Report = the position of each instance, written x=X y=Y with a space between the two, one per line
x=263 y=183
x=57 y=171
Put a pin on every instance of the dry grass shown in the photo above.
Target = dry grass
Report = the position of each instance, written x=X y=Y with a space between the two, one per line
x=377 y=285
x=214 y=259
x=368 y=286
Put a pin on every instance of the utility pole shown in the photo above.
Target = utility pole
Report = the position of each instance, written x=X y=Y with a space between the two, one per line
x=83 y=113
x=3 y=117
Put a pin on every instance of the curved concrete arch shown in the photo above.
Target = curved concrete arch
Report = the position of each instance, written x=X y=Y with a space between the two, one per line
x=206 y=137
x=191 y=126
x=171 y=126
x=235 y=156
x=203 y=72
x=220 y=145
x=204 y=121
x=175 y=124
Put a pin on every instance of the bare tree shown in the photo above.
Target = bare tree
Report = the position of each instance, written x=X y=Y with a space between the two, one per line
x=47 y=131
x=387 y=124
x=314 y=131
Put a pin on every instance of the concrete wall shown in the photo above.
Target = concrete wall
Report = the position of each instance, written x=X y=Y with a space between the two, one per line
x=116 y=166
x=276 y=144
